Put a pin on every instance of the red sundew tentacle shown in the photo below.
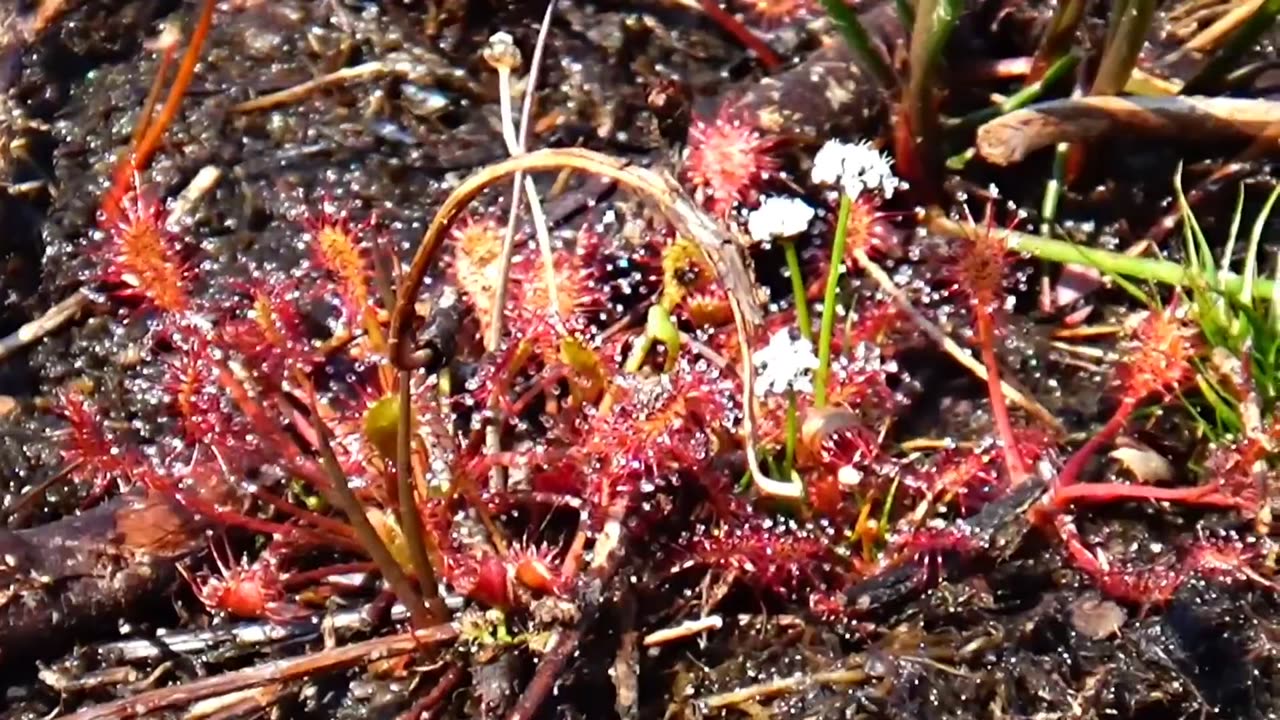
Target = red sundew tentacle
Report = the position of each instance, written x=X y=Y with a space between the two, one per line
x=1080 y=555
x=320 y=522
x=97 y=457
x=338 y=247
x=1228 y=559
x=1159 y=355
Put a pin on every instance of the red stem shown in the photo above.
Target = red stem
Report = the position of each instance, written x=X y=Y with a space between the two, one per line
x=322 y=522
x=1200 y=495
x=1013 y=461
x=1070 y=473
x=296 y=580
x=768 y=58
x=1083 y=558
x=150 y=141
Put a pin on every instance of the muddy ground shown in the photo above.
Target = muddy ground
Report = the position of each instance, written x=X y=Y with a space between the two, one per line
x=1023 y=637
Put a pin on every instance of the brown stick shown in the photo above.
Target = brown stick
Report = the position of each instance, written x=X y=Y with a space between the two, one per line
x=1010 y=138
x=278 y=671
x=53 y=320
x=69 y=577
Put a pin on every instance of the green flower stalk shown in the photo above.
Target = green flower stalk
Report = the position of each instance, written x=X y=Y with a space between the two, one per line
x=783 y=218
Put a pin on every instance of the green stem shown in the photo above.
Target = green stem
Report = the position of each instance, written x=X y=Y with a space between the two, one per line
x=859 y=40
x=1058 y=37
x=829 y=303
x=415 y=535
x=635 y=361
x=1107 y=261
x=1245 y=37
x=345 y=499
x=1126 y=34
x=798 y=289
x=793 y=433
x=1024 y=97
x=1053 y=189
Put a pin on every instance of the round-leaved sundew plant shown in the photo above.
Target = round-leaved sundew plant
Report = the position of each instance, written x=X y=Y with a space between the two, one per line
x=727 y=159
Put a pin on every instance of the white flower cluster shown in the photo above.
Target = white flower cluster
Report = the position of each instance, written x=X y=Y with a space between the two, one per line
x=856 y=168
x=779 y=217
x=786 y=363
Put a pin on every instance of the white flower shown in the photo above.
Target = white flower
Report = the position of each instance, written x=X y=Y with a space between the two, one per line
x=779 y=217
x=856 y=168
x=786 y=363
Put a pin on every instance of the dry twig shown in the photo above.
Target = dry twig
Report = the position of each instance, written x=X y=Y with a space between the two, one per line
x=1012 y=137
x=783 y=686
x=277 y=671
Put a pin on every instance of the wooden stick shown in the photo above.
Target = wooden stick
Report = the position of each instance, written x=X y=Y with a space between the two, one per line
x=1011 y=138
x=277 y=671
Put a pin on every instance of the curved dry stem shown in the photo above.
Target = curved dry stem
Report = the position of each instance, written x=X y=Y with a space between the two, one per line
x=721 y=250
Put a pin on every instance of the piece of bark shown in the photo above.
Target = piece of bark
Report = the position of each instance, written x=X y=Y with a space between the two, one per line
x=79 y=574
x=1011 y=138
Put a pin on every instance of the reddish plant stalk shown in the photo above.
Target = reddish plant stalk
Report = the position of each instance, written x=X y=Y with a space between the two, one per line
x=150 y=141
x=231 y=518
x=1070 y=473
x=768 y=58
x=321 y=522
x=1200 y=495
x=1013 y=461
x=153 y=95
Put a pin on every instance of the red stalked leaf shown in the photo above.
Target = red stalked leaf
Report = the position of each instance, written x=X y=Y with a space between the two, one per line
x=141 y=254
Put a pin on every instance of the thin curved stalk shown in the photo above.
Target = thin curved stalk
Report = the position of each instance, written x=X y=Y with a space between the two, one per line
x=829 y=303
x=415 y=535
x=722 y=252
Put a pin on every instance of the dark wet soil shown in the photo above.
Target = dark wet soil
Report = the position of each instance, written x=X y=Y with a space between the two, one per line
x=1024 y=638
